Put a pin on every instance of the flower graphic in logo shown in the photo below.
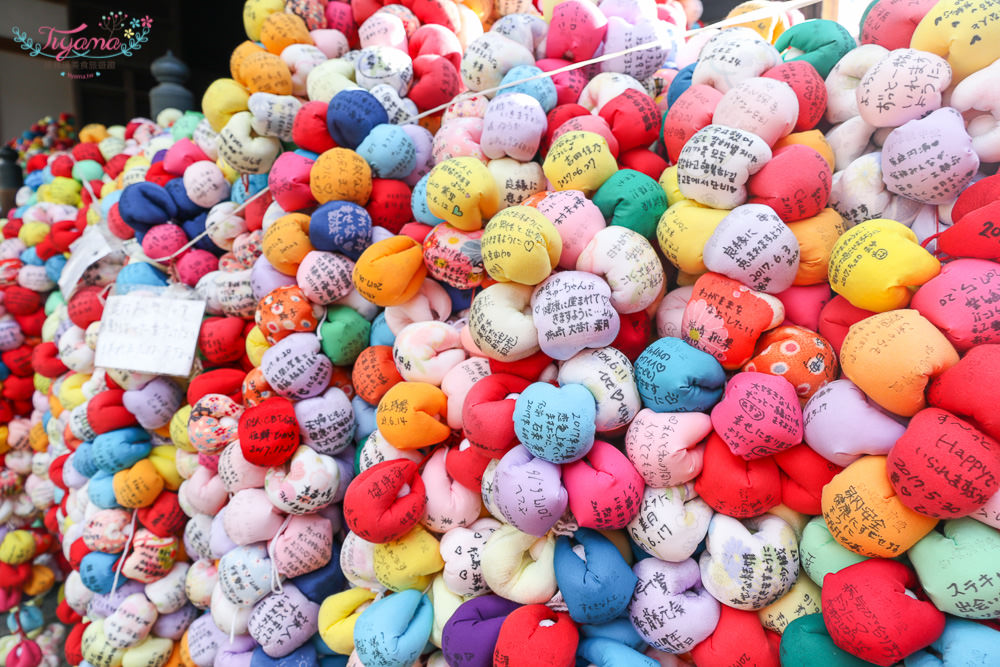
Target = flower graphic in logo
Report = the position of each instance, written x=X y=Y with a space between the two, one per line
x=116 y=35
x=111 y=21
x=703 y=327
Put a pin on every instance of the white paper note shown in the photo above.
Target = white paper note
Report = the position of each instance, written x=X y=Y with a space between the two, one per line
x=150 y=334
x=89 y=248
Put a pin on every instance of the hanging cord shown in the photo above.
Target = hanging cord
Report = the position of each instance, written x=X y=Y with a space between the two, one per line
x=121 y=561
x=940 y=254
x=742 y=19
x=186 y=246
x=937 y=230
x=275 y=575
x=93 y=197
x=17 y=619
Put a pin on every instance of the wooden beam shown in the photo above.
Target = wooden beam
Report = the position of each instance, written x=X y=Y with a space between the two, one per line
x=831 y=9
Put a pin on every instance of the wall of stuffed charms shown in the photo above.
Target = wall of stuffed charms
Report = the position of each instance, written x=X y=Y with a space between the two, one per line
x=514 y=333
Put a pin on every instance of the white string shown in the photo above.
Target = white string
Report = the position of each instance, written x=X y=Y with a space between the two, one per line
x=93 y=197
x=121 y=561
x=202 y=235
x=319 y=325
x=755 y=15
x=275 y=575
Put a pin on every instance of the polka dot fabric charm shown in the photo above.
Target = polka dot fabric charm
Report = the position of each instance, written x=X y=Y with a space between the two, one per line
x=284 y=311
x=803 y=358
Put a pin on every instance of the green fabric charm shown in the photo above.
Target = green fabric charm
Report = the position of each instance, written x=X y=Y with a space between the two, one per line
x=805 y=642
x=822 y=42
x=631 y=199
x=344 y=334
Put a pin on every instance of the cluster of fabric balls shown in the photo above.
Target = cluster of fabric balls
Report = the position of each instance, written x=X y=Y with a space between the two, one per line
x=685 y=356
x=50 y=214
x=46 y=136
